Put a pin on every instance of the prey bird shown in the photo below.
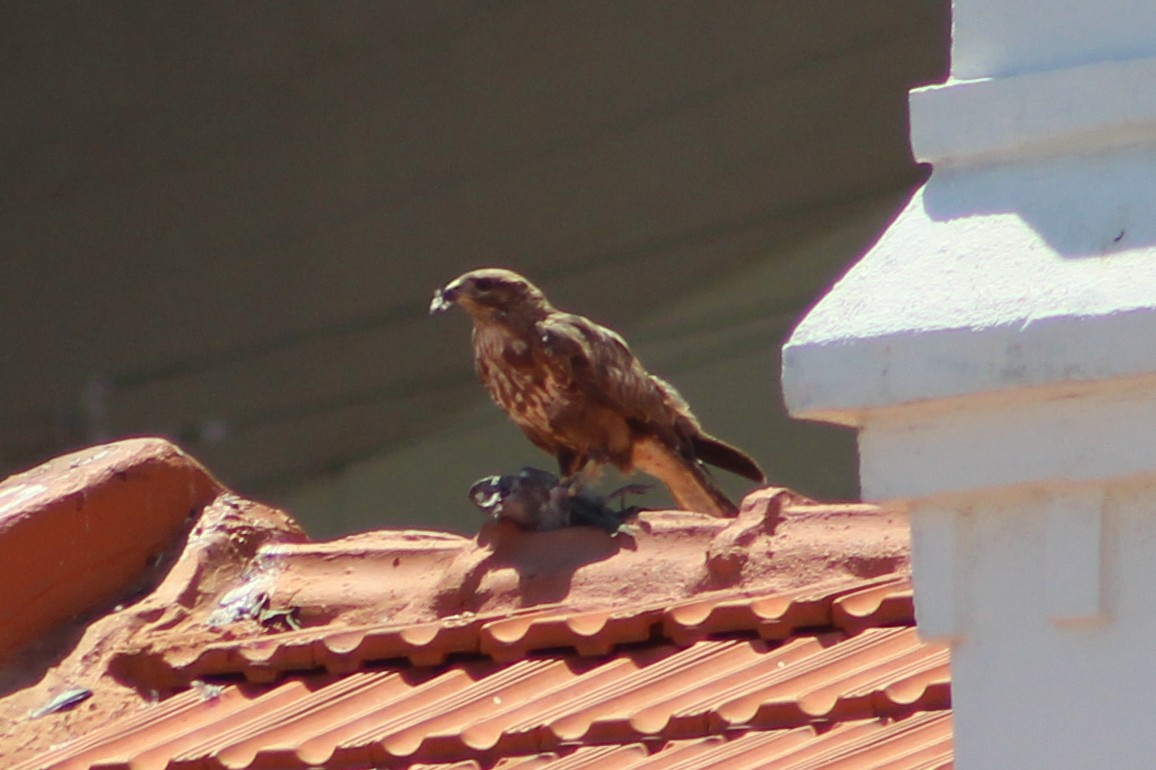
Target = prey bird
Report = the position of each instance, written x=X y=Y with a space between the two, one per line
x=578 y=393
x=537 y=500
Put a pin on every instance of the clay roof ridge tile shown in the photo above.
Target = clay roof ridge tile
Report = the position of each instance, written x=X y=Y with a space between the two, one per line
x=830 y=591
x=772 y=617
x=887 y=603
x=770 y=667
x=599 y=756
x=675 y=751
x=873 y=743
x=859 y=659
x=235 y=742
x=614 y=704
x=680 y=754
x=344 y=732
x=426 y=643
x=590 y=631
x=264 y=662
x=499 y=716
x=513 y=637
x=922 y=690
x=751 y=750
x=350 y=738
x=876 y=654
x=436 y=698
x=867 y=696
x=683 y=622
x=841 y=742
x=928 y=689
x=274 y=651
x=549 y=705
x=779 y=703
x=593 y=638
x=899 y=667
x=677 y=705
x=121 y=731
x=185 y=727
x=495 y=706
x=282 y=745
x=919 y=742
x=775 y=616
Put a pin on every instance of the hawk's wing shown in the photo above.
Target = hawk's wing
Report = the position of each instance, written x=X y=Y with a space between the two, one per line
x=598 y=363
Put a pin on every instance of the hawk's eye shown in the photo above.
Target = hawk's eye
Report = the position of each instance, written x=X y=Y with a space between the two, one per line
x=483 y=284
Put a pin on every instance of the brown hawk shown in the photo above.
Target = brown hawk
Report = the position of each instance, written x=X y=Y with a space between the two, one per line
x=577 y=392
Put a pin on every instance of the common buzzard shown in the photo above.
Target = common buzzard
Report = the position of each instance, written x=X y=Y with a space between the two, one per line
x=577 y=392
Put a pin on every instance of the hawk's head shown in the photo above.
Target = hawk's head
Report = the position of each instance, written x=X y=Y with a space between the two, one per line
x=490 y=292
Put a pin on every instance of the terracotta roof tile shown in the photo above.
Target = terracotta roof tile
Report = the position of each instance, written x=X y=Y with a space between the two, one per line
x=484 y=707
x=846 y=605
x=62 y=524
x=797 y=648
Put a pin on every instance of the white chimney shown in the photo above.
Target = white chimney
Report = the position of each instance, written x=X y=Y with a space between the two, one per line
x=996 y=350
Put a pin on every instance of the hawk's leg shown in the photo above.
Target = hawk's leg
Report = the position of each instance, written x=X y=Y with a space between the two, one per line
x=577 y=470
x=569 y=462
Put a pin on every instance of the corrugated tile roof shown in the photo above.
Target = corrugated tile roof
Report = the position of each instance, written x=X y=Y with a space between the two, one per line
x=794 y=662
x=720 y=673
x=919 y=742
x=846 y=605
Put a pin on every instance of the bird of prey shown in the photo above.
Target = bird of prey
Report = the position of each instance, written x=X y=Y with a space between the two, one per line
x=577 y=392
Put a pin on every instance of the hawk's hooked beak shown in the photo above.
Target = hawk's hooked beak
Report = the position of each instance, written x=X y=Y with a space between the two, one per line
x=442 y=300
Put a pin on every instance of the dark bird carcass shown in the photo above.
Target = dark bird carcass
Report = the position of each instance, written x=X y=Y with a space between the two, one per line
x=577 y=392
x=537 y=500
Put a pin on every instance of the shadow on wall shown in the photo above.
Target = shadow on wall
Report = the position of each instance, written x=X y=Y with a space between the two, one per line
x=1092 y=205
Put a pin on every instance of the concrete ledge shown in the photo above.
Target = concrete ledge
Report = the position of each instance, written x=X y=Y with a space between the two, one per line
x=993 y=279
x=1062 y=352
x=1042 y=438
x=970 y=121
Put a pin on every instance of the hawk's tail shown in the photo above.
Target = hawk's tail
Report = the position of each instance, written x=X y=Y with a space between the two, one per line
x=722 y=455
x=688 y=481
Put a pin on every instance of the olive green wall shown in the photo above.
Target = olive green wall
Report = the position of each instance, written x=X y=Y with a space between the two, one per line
x=222 y=222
